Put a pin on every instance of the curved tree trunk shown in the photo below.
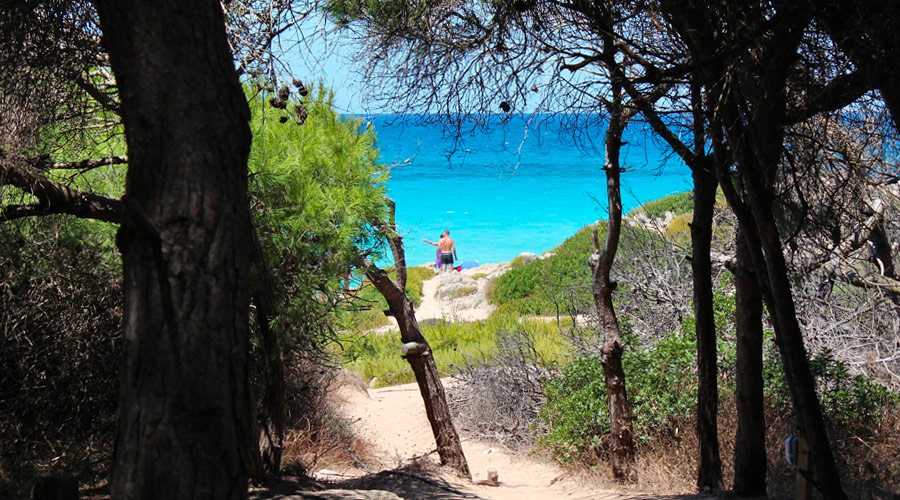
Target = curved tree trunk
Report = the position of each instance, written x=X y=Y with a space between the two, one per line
x=750 y=446
x=418 y=353
x=184 y=405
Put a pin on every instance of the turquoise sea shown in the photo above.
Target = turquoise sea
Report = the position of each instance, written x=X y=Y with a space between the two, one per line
x=513 y=188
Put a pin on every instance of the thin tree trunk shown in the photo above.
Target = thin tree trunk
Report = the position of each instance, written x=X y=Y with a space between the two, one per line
x=793 y=353
x=185 y=428
x=271 y=417
x=601 y=261
x=709 y=473
x=418 y=354
x=750 y=443
x=757 y=145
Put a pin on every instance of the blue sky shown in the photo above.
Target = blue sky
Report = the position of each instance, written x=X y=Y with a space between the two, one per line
x=317 y=52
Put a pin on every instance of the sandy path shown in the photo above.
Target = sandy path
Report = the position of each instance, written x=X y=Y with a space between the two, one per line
x=392 y=419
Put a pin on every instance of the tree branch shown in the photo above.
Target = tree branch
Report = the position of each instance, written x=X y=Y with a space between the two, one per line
x=87 y=164
x=55 y=198
x=102 y=98
x=839 y=92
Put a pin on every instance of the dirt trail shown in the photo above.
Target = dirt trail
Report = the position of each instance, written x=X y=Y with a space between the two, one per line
x=392 y=419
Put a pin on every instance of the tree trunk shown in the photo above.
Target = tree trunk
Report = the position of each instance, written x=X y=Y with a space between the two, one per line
x=418 y=354
x=270 y=419
x=601 y=261
x=184 y=405
x=757 y=142
x=750 y=443
x=709 y=473
x=793 y=353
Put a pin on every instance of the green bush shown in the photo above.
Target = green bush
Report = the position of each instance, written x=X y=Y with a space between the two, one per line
x=575 y=414
x=662 y=390
x=678 y=204
x=538 y=286
x=848 y=401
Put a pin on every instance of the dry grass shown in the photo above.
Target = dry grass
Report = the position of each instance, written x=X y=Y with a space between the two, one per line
x=668 y=465
x=321 y=438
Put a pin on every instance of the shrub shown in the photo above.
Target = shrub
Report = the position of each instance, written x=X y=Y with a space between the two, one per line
x=678 y=204
x=679 y=229
x=848 y=401
x=538 y=286
x=61 y=318
x=575 y=415
x=498 y=397
x=662 y=390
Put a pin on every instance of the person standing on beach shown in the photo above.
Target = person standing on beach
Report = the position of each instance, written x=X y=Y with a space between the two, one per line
x=447 y=248
x=437 y=255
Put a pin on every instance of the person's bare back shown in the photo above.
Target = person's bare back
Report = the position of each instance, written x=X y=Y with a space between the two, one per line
x=448 y=250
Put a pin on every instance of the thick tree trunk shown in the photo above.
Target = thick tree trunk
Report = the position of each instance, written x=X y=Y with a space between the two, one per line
x=184 y=405
x=750 y=443
x=601 y=261
x=418 y=354
x=709 y=473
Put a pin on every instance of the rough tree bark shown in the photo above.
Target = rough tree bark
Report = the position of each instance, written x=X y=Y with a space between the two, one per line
x=601 y=261
x=418 y=354
x=185 y=427
x=750 y=444
x=703 y=172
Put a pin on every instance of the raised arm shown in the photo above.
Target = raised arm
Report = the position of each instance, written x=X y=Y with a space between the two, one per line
x=430 y=242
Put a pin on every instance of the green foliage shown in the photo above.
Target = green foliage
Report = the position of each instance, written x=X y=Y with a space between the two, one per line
x=378 y=356
x=662 y=389
x=536 y=287
x=383 y=12
x=850 y=402
x=678 y=204
x=316 y=190
x=575 y=415
x=366 y=312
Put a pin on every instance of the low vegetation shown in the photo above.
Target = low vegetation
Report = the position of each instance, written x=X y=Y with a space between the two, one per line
x=677 y=204
x=377 y=356
x=540 y=382
x=536 y=287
